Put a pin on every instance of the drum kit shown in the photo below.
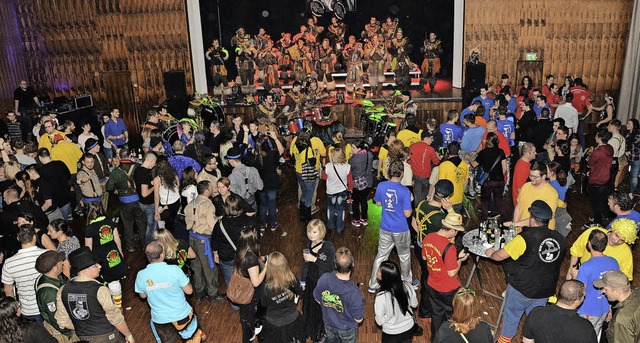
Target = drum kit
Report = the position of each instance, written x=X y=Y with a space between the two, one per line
x=377 y=120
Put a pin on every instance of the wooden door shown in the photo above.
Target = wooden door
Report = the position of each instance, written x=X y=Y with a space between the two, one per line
x=119 y=93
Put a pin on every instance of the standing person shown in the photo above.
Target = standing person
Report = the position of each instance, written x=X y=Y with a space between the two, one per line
x=361 y=162
x=532 y=265
x=393 y=305
x=166 y=198
x=521 y=170
x=632 y=140
x=465 y=324
x=100 y=166
x=220 y=200
x=599 y=188
x=17 y=328
x=143 y=179
x=283 y=322
x=245 y=180
x=542 y=323
x=14 y=128
x=24 y=99
x=50 y=264
x=249 y=264
x=176 y=251
x=341 y=300
x=67 y=243
x=102 y=237
x=107 y=146
x=200 y=223
x=455 y=170
x=339 y=179
x=122 y=183
x=450 y=131
x=536 y=189
x=317 y=262
x=621 y=204
x=210 y=171
x=443 y=262
x=623 y=326
x=493 y=162
x=307 y=150
x=172 y=318
x=115 y=130
x=179 y=162
x=569 y=114
x=423 y=156
x=85 y=135
x=86 y=306
x=617 y=142
x=19 y=270
x=395 y=200
x=595 y=307
x=267 y=165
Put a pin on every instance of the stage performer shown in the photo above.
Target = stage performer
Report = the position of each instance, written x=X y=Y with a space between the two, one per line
x=267 y=110
x=324 y=65
x=375 y=52
x=315 y=94
x=371 y=29
x=283 y=45
x=268 y=66
x=336 y=33
x=389 y=29
x=218 y=55
x=397 y=46
x=300 y=56
x=261 y=39
x=313 y=30
x=432 y=49
x=246 y=63
x=294 y=100
x=353 y=55
x=302 y=34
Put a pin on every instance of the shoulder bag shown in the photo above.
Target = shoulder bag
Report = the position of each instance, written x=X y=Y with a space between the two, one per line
x=240 y=290
x=482 y=176
x=309 y=171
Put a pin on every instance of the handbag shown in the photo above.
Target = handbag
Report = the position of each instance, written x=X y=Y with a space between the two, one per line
x=360 y=183
x=240 y=289
x=309 y=171
x=482 y=176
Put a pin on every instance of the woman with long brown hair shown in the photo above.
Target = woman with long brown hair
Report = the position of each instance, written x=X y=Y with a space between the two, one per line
x=166 y=196
x=465 y=324
x=280 y=296
x=249 y=264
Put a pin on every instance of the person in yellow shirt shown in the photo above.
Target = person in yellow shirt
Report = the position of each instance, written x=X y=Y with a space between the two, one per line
x=623 y=232
x=411 y=133
x=536 y=189
x=51 y=135
x=383 y=154
x=67 y=152
x=307 y=150
x=455 y=170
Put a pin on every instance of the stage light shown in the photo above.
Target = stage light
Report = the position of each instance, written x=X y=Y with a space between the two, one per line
x=394 y=9
x=265 y=13
x=302 y=14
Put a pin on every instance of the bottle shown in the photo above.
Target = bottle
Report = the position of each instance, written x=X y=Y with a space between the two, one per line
x=496 y=239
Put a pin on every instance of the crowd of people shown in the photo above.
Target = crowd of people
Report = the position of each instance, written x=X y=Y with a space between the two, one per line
x=199 y=206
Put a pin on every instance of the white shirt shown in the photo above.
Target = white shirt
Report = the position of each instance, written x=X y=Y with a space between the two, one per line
x=569 y=113
x=20 y=269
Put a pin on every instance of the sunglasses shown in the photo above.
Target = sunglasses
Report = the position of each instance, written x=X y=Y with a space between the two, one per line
x=467 y=291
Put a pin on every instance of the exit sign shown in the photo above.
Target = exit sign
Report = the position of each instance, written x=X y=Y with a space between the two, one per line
x=532 y=56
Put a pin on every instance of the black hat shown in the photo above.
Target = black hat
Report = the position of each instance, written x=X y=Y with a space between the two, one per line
x=540 y=210
x=444 y=188
x=47 y=260
x=426 y=133
x=406 y=93
x=81 y=259
x=234 y=154
x=90 y=144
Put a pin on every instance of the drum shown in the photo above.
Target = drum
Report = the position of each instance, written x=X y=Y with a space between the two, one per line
x=171 y=134
x=283 y=130
x=293 y=127
x=306 y=113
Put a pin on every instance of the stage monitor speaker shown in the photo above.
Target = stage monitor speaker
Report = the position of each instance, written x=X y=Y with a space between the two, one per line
x=175 y=84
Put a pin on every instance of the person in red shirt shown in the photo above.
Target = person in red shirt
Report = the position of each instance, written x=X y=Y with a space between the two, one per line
x=503 y=143
x=504 y=84
x=521 y=171
x=546 y=88
x=423 y=156
x=522 y=94
x=581 y=96
x=599 y=188
x=443 y=262
x=554 y=99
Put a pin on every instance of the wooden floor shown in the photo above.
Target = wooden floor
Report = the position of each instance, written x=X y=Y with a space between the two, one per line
x=222 y=324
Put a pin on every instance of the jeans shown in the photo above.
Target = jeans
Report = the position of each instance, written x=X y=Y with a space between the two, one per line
x=515 y=304
x=335 y=210
x=494 y=188
x=66 y=211
x=36 y=317
x=152 y=225
x=424 y=307
x=108 y=153
x=131 y=214
x=267 y=199
x=599 y=194
x=420 y=189
x=635 y=170
x=227 y=270
x=307 y=188
x=341 y=336
x=402 y=243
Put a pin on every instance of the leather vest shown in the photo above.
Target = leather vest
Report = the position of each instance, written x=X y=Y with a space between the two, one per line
x=80 y=299
x=535 y=273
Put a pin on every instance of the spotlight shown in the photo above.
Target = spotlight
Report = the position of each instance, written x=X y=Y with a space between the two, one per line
x=302 y=14
x=265 y=13
x=394 y=9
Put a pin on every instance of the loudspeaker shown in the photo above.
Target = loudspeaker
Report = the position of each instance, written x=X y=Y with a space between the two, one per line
x=177 y=106
x=175 y=84
x=474 y=78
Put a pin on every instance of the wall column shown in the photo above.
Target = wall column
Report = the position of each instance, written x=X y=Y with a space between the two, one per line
x=197 y=46
x=458 y=40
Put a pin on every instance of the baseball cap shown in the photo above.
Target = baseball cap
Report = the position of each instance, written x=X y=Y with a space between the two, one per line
x=613 y=278
x=48 y=260
x=444 y=188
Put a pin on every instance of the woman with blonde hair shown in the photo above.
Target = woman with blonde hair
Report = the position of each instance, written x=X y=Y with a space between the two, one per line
x=318 y=259
x=465 y=324
x=176 y=251
x=339 y=142
x=283 y=322
x=339 y=179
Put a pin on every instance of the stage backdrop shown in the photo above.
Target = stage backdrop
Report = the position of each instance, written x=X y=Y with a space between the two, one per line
x=115 y=50
x=415 y=17
x=580 y=38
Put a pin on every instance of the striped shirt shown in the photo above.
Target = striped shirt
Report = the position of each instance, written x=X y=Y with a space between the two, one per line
x=20 y=269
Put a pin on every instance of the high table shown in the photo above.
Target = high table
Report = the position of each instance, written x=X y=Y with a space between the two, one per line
x=474 y=240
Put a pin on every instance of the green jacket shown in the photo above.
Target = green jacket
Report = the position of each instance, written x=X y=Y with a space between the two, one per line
x=120 y=181
x=625 y=324
x=46 y=291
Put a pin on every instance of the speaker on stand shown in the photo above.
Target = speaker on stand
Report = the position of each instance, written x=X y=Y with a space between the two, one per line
x=474 y=77
x=175 y=88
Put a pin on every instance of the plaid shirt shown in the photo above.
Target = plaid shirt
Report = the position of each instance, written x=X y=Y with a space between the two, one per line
x=632 y=141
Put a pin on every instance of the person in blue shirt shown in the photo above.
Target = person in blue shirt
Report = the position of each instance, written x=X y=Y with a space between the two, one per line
x=621 y=204
x=115 y=130
x=473 y=136
x=595 y=307
x=485 y=100
x=472 y=109
x=505 y=126
x=541 y=103
x=450 y=131
x=395 y=200
x=164 y=286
